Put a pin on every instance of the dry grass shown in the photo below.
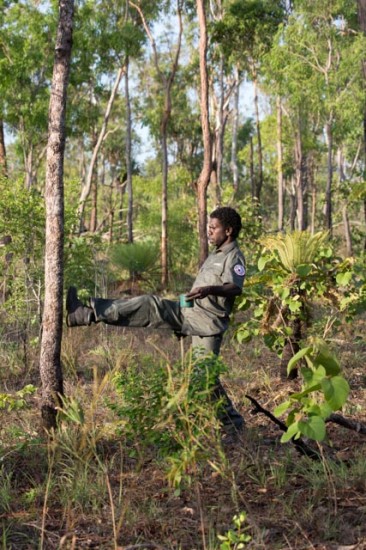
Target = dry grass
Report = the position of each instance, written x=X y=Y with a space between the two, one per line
x=91 y=488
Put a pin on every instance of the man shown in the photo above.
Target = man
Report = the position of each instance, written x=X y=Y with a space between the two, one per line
x=218 y=282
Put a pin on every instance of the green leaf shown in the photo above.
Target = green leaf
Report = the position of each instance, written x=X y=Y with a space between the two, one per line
x=336 y=391
x=292 y=431
x=344 y=278
x=262 y=262
x=303 y=270
x=313 y=427
x=329 y=362
x=294 y=306
x=296 y=358
x=243 y=336
x=280 y=409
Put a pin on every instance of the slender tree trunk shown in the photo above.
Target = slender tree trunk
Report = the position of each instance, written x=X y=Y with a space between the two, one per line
x=251 y=170
x=345 y=218
x=280 y=166
x=361 y=13
x=293 y=204
x=259 y=182
x=313 y=197
x=87 y=187
x=328 y=190
x=347 y=231
x=129 y=155
x=164 y=195
x=204 y=177
x=3 y=164
x=299 y=163
x=94 y=193
x=50 y=360
x=235 y=129
x=167 y=83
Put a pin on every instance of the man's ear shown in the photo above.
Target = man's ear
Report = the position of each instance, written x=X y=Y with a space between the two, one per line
x=229 y=231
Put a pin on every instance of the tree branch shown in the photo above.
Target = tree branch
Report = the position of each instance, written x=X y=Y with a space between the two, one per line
x=301 y=447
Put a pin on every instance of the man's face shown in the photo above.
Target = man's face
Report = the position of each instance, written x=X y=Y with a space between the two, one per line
x=217 y=233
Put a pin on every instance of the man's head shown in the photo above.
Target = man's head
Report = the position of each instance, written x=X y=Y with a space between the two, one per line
x=229 y=218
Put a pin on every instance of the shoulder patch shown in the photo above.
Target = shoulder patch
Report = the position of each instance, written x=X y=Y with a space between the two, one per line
x=239 y=270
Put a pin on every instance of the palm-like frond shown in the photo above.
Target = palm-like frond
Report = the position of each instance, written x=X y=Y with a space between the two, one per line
x=296 y=248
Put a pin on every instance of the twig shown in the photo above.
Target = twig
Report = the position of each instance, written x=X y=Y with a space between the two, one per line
x=299 y=444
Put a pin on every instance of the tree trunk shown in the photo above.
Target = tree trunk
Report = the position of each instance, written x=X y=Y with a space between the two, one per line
x=251 y=169
x=3 y=165
x=328 y=190
x=128 y=155
x=87 y=187
x=50 y=360
x=347 y=231
x=94 y=193
x=204 y=177
x=259 y=182
x=280 y=166
x=167 y=83
x=293 y=204
x=235 y=129
x=298 y=178
x=361 y=13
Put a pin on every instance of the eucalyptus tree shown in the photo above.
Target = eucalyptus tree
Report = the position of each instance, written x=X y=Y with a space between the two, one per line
x=361 y=13
x=25 y=73
x=245 y=33
x=105 y=41
x=312 y=67
x=165 y=73
x=205 y=174
x=50 y=357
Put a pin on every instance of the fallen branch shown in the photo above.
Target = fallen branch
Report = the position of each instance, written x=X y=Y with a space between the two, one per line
x=350 y=424
x=301 y=447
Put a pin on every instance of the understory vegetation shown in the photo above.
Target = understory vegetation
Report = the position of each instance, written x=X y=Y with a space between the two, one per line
x=139 y=460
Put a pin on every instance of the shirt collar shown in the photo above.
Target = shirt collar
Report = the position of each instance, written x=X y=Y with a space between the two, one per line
x=226 y=247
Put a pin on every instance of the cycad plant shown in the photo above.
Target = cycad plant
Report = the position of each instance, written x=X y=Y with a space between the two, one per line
x=294 y=271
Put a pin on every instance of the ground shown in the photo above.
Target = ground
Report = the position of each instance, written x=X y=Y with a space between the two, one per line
x=91 y=487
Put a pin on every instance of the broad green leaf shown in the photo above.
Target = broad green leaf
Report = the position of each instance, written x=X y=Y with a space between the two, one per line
x=336 y=391
x=344 y=278
x=303 y=270
x=329 y=362
x=262 y=262
x=243 y=336
x=313 y=427
x=285 y=293
x=294 y=306
x=292 y=431
x=296 y=358
x=280 y=409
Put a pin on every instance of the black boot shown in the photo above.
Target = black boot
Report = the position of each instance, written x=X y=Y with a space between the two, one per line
x=77 y=314
x=227 y=414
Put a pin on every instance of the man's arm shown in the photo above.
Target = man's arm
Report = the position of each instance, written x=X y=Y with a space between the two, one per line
x=227 y=291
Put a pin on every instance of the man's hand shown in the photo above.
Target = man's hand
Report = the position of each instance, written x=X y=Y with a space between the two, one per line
x=228 y=290
x=198 y=293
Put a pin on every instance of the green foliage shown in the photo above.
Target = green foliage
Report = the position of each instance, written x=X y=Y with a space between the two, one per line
x=170 y=407
x=236 y=538
x=138 y=258
x=295 y=272
x=16 y=401
x=22 y=222
x=323 y=391
x=81 y=261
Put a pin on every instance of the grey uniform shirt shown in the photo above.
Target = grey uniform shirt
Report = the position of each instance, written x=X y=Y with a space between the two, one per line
x=210 y=315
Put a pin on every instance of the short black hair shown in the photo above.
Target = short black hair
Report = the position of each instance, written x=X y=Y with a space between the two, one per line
x=229 y=218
